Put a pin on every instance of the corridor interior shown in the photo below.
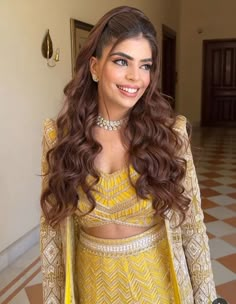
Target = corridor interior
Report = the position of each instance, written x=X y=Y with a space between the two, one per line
x=214 y=152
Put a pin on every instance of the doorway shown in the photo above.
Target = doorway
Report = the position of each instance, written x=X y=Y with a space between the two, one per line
x=169 y=64
x=219 y=83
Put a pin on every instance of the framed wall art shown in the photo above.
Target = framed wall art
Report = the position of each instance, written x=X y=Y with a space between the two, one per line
x=79 y=32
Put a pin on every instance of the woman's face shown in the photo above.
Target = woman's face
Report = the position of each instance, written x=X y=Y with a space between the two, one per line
x=123 y=74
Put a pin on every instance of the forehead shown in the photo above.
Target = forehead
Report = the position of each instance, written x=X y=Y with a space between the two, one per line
x=136 y=47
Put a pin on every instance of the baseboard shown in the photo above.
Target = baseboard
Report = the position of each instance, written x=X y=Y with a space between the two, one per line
x=18 y=248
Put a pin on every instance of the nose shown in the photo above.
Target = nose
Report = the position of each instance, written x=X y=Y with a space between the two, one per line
x=133 y=73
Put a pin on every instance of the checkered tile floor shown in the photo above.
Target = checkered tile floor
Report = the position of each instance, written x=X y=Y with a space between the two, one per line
x=215 y=160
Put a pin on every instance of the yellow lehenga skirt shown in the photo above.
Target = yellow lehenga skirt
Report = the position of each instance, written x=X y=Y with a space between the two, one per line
x=134 y=270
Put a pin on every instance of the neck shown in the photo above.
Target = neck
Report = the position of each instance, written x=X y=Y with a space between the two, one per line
x=112 y=114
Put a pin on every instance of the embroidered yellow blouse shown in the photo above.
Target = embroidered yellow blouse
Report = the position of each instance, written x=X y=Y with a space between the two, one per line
x=116 y=202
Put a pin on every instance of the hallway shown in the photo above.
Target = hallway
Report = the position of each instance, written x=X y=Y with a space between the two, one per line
x=215 y=160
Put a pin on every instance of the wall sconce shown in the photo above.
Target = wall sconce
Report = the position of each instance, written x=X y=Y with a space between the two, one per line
x=47 y=51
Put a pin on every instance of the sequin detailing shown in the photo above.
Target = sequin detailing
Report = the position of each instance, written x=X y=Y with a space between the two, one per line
x=116 y=202
x=119 y=247
x=139 y=273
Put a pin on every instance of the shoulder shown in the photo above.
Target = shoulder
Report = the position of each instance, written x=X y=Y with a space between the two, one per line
x=50 y=131
x=180 y=125
x=183 y=129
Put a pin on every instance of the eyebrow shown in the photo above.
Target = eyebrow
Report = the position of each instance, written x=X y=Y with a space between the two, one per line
x=129 y=57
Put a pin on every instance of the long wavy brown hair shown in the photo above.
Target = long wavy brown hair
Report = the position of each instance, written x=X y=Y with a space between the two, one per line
x=152 y=143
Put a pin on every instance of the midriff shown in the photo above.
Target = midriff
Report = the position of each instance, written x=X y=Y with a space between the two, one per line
x=114 y=231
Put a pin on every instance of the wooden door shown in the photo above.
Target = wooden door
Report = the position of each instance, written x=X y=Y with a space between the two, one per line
x=168 y=63
x=219 y=83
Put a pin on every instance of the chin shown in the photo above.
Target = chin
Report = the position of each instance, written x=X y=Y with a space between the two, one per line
x=128 y=107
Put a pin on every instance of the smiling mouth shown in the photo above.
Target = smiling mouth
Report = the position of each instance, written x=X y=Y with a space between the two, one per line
x=128 y=90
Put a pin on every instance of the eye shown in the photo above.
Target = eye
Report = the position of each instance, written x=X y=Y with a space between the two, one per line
x=121 y=62
x=146 y=67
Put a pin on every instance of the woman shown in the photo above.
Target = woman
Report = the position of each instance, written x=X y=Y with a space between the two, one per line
x=122 y=221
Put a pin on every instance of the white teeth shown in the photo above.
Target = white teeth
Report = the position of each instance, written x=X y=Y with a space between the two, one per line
x=129 y=90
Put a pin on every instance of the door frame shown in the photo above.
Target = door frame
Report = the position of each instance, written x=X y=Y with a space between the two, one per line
x=205 y=43
x=170 y=34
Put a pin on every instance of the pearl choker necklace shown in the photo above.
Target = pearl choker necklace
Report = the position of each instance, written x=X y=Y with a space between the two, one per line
x=110 y=125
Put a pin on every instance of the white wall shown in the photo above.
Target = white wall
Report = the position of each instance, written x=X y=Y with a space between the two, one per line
x=30 y=92
x=217 y=20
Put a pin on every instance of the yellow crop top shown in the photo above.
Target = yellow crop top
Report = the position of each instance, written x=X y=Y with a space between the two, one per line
x=116 y=202
x=116 y=199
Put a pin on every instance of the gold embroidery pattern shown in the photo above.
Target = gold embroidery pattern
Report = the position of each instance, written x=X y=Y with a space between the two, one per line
x=50 y=238
x=139 y=273
x=194 y=237
x=116 y=202
x=120 y=247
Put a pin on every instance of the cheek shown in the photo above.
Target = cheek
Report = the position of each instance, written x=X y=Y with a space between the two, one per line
x=147 y=80
x=110 y=75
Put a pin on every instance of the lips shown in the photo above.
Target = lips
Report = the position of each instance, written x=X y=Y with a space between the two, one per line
x=130 y=90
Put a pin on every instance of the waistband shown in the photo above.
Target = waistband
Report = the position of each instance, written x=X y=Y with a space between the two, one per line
x=130 y=245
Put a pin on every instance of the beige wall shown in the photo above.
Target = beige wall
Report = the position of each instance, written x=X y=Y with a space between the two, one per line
x=216 y=18
x=30 y=92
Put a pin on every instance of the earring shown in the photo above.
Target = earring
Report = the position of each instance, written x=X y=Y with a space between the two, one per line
x=95 y=79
